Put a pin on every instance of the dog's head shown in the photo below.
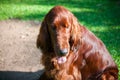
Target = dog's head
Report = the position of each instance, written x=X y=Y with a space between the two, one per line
x=59 y=32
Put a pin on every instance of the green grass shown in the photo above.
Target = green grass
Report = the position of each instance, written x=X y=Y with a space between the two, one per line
x=101 y=16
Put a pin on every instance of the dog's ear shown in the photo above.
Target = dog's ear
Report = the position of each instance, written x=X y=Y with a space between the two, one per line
x=43 y=40
x=75 y=35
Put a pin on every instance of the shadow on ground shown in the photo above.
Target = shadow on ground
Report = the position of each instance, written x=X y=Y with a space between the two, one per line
x=17 y=75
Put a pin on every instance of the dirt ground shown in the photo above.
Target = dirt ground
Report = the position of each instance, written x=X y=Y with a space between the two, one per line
x=19 y=57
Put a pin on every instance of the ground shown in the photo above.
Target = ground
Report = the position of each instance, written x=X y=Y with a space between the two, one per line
x=19 y=57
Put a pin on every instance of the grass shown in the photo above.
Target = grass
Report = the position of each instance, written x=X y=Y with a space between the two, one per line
x=101 y=16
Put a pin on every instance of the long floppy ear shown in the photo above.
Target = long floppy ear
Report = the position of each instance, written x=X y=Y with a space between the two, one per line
x=75 y=35
x=43 y=40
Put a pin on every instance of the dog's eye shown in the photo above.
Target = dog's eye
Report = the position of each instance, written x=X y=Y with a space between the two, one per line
x=67 y=27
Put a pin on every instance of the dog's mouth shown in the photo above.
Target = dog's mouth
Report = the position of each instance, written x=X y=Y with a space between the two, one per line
x=61 y=55
x=62 y=59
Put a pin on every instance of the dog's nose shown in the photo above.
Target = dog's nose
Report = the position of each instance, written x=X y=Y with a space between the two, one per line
x=63 y=52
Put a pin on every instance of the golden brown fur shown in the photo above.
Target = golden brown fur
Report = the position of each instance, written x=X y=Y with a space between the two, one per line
x=87 y=57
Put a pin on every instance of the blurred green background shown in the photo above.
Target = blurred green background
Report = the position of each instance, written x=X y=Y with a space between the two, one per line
x=102 y=17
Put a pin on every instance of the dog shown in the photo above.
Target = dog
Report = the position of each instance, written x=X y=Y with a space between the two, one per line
x=72 y=52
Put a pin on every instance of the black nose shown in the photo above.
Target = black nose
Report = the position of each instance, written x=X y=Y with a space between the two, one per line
x=63 y=52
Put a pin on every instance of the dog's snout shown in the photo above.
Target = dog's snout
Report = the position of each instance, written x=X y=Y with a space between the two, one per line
x=63 y=52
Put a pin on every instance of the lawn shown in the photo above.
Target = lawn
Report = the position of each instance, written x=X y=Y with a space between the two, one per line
x=102 y=17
